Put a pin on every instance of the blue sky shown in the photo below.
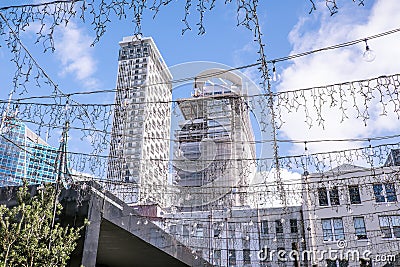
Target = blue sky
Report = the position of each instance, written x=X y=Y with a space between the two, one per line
x=223 y=42
x=287 y=27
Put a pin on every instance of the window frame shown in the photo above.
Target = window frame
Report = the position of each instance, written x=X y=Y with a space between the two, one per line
x=390 y=194
x=334 y=232
x=186 y=230
x=354 y=194
x=279 y=226
x=173 y=229
x=199 y=231
x=323 y=196
x=217 y=260
x=246 y=256
x=390 y=228
x=385 y=192
x=337 y=263
x=329 y=197
x=334 y=196
x=264 y=227
x=217 y=230
x=362 y=231
x=294 y=226
x=231 y=257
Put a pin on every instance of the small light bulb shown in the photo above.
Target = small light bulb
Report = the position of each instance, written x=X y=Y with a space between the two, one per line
x=369 y=55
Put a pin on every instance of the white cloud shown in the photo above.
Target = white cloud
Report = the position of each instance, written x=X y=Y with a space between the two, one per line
x=266 y=193
x=320 y=30
x=76 y=55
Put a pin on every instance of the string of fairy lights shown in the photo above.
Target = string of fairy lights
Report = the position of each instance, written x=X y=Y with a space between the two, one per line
x=245 y=228
x=103 y=112
x=93 y=122
x=50 y=115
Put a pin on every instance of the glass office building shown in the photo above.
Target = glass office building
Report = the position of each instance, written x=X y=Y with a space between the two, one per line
x=24 y=155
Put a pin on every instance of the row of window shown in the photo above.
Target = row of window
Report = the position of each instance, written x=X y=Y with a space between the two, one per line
x=333 y=229
x=231 y=257
x=383 y=192
x=134 y=52
x=279 y=226
x=198 y=230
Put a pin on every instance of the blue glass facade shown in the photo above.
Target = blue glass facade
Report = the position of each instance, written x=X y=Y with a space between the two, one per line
x=23 y=155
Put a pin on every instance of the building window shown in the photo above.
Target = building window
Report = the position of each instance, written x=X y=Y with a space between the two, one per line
x=365 y=263
x=172 y=229
x=390 y=192
x=264 y=227
x=185 y=230
x=293 y=226
x=199 y=230
x=332 y=229
x=232 y=257
x=359 y=226
x=385 y=192
x=354 y=193
x=333 y=196
x=217 y=230
x=322 y=196
x=217 y=257
x=390 y=226
x=246 y=257
x=278 y=227
x=231 y=227
x=337 y=263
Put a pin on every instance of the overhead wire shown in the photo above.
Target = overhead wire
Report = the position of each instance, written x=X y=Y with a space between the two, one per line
x=210 y=75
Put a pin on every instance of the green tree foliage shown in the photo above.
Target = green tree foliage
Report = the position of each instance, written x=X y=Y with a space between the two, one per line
x=28 y=236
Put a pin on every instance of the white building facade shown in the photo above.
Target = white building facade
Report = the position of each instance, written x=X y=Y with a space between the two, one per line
x=139 y=153
x=353 y=213
x=241 y=236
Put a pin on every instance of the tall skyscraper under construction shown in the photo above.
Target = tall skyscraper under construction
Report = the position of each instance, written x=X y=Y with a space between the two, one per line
x=139 y=152
x=214 y=151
